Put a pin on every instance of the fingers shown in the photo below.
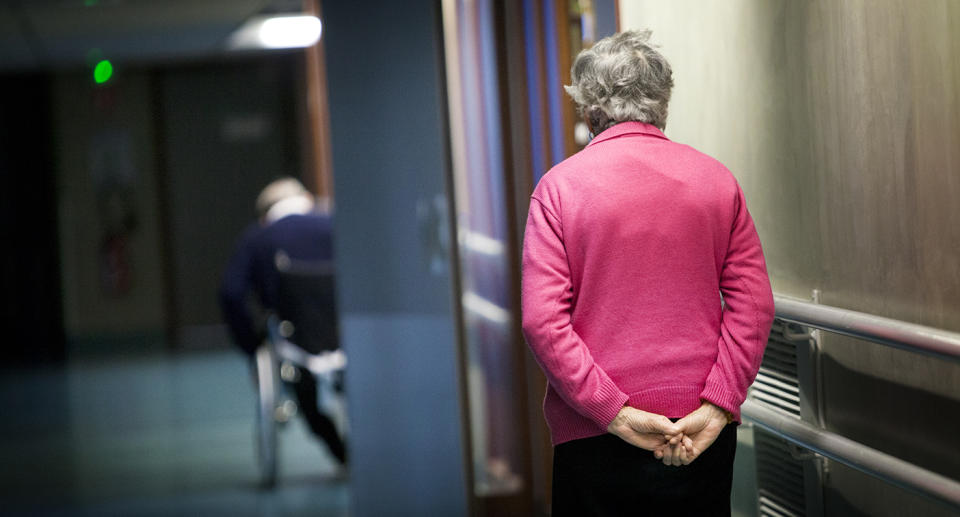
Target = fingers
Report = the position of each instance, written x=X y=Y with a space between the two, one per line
x=668 y=455
x=645 y=422
x=675 y=456
x=678 y=443
x=672 y=443
x=683 y=453
x=702 y=440
x=675 y=439
x=683 y=456
x=690 y=452
x=667 y=427
x=692 y=423
x=677 y=461
x=648 y=441
x=700 y=418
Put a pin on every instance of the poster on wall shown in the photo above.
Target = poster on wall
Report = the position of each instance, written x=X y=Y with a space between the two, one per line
x=114 y=174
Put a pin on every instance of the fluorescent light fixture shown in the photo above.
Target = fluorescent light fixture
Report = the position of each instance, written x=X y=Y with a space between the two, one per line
x=290 y=31
x=274 y=32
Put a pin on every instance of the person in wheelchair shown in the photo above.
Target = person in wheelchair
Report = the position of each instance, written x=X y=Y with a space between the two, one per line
x=277 y=265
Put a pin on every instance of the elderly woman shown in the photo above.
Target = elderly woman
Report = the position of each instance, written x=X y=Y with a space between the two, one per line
x=629 y=246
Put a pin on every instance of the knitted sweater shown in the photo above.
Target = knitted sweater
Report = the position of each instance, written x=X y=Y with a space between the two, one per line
x=628 y=247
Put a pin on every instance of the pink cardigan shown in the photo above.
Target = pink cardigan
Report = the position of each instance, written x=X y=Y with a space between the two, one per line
x=628 y=247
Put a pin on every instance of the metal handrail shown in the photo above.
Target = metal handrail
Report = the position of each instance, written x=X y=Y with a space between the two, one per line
x=895 y=333
x=885 y=331
x=853 y=454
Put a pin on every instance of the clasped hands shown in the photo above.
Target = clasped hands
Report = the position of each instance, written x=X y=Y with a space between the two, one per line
x=675 y=443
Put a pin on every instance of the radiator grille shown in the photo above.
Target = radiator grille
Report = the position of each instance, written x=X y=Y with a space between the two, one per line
x=780 y=478
x=777 y=383
x=780 y=487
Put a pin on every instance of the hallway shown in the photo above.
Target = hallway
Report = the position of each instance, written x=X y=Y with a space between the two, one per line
x=152 y=435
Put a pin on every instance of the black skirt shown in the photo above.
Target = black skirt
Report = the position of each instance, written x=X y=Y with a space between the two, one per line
x=606 y=476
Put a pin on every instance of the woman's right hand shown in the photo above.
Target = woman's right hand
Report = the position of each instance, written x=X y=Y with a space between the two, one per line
x=645 y=430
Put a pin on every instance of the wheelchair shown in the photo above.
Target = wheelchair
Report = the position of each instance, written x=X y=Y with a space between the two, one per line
x=301 y=332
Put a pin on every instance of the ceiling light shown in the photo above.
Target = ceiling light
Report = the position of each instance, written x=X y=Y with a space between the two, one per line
x=274 y=32
x=290 y=31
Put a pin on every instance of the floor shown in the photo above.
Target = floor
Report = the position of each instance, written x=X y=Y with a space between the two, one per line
x=155 y=435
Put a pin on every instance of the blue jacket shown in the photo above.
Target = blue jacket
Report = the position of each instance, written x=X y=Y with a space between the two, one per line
x=251 y=269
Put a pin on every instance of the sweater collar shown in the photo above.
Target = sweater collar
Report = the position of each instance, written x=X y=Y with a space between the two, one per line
x=628 y=128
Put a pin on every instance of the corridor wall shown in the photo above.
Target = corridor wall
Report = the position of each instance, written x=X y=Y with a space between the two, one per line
x=842 y=122
x=392 y=245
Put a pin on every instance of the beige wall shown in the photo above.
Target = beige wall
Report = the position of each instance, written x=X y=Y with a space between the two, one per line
x=733 y=99
x=88 y=310
x=842 y=122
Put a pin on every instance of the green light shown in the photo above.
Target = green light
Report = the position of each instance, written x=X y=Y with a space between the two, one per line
x=103 y=72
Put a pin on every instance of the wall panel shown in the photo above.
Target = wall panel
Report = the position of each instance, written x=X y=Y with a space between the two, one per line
x=841 y=120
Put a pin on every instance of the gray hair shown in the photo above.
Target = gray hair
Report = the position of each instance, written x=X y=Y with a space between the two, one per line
x=621 y=78
x=277 y=191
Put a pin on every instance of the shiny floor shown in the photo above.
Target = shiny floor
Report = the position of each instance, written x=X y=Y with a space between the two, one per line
x=156 y=435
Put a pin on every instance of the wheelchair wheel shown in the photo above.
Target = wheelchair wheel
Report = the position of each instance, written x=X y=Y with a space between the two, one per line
x=268 y=392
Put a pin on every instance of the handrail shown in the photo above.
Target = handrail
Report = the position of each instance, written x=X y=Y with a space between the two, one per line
x=895 y=333
x=890 y=332
x=854 y=454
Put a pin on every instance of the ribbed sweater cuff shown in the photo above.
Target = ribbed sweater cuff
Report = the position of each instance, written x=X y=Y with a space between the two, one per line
x=723 y=397
x=603 y=408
